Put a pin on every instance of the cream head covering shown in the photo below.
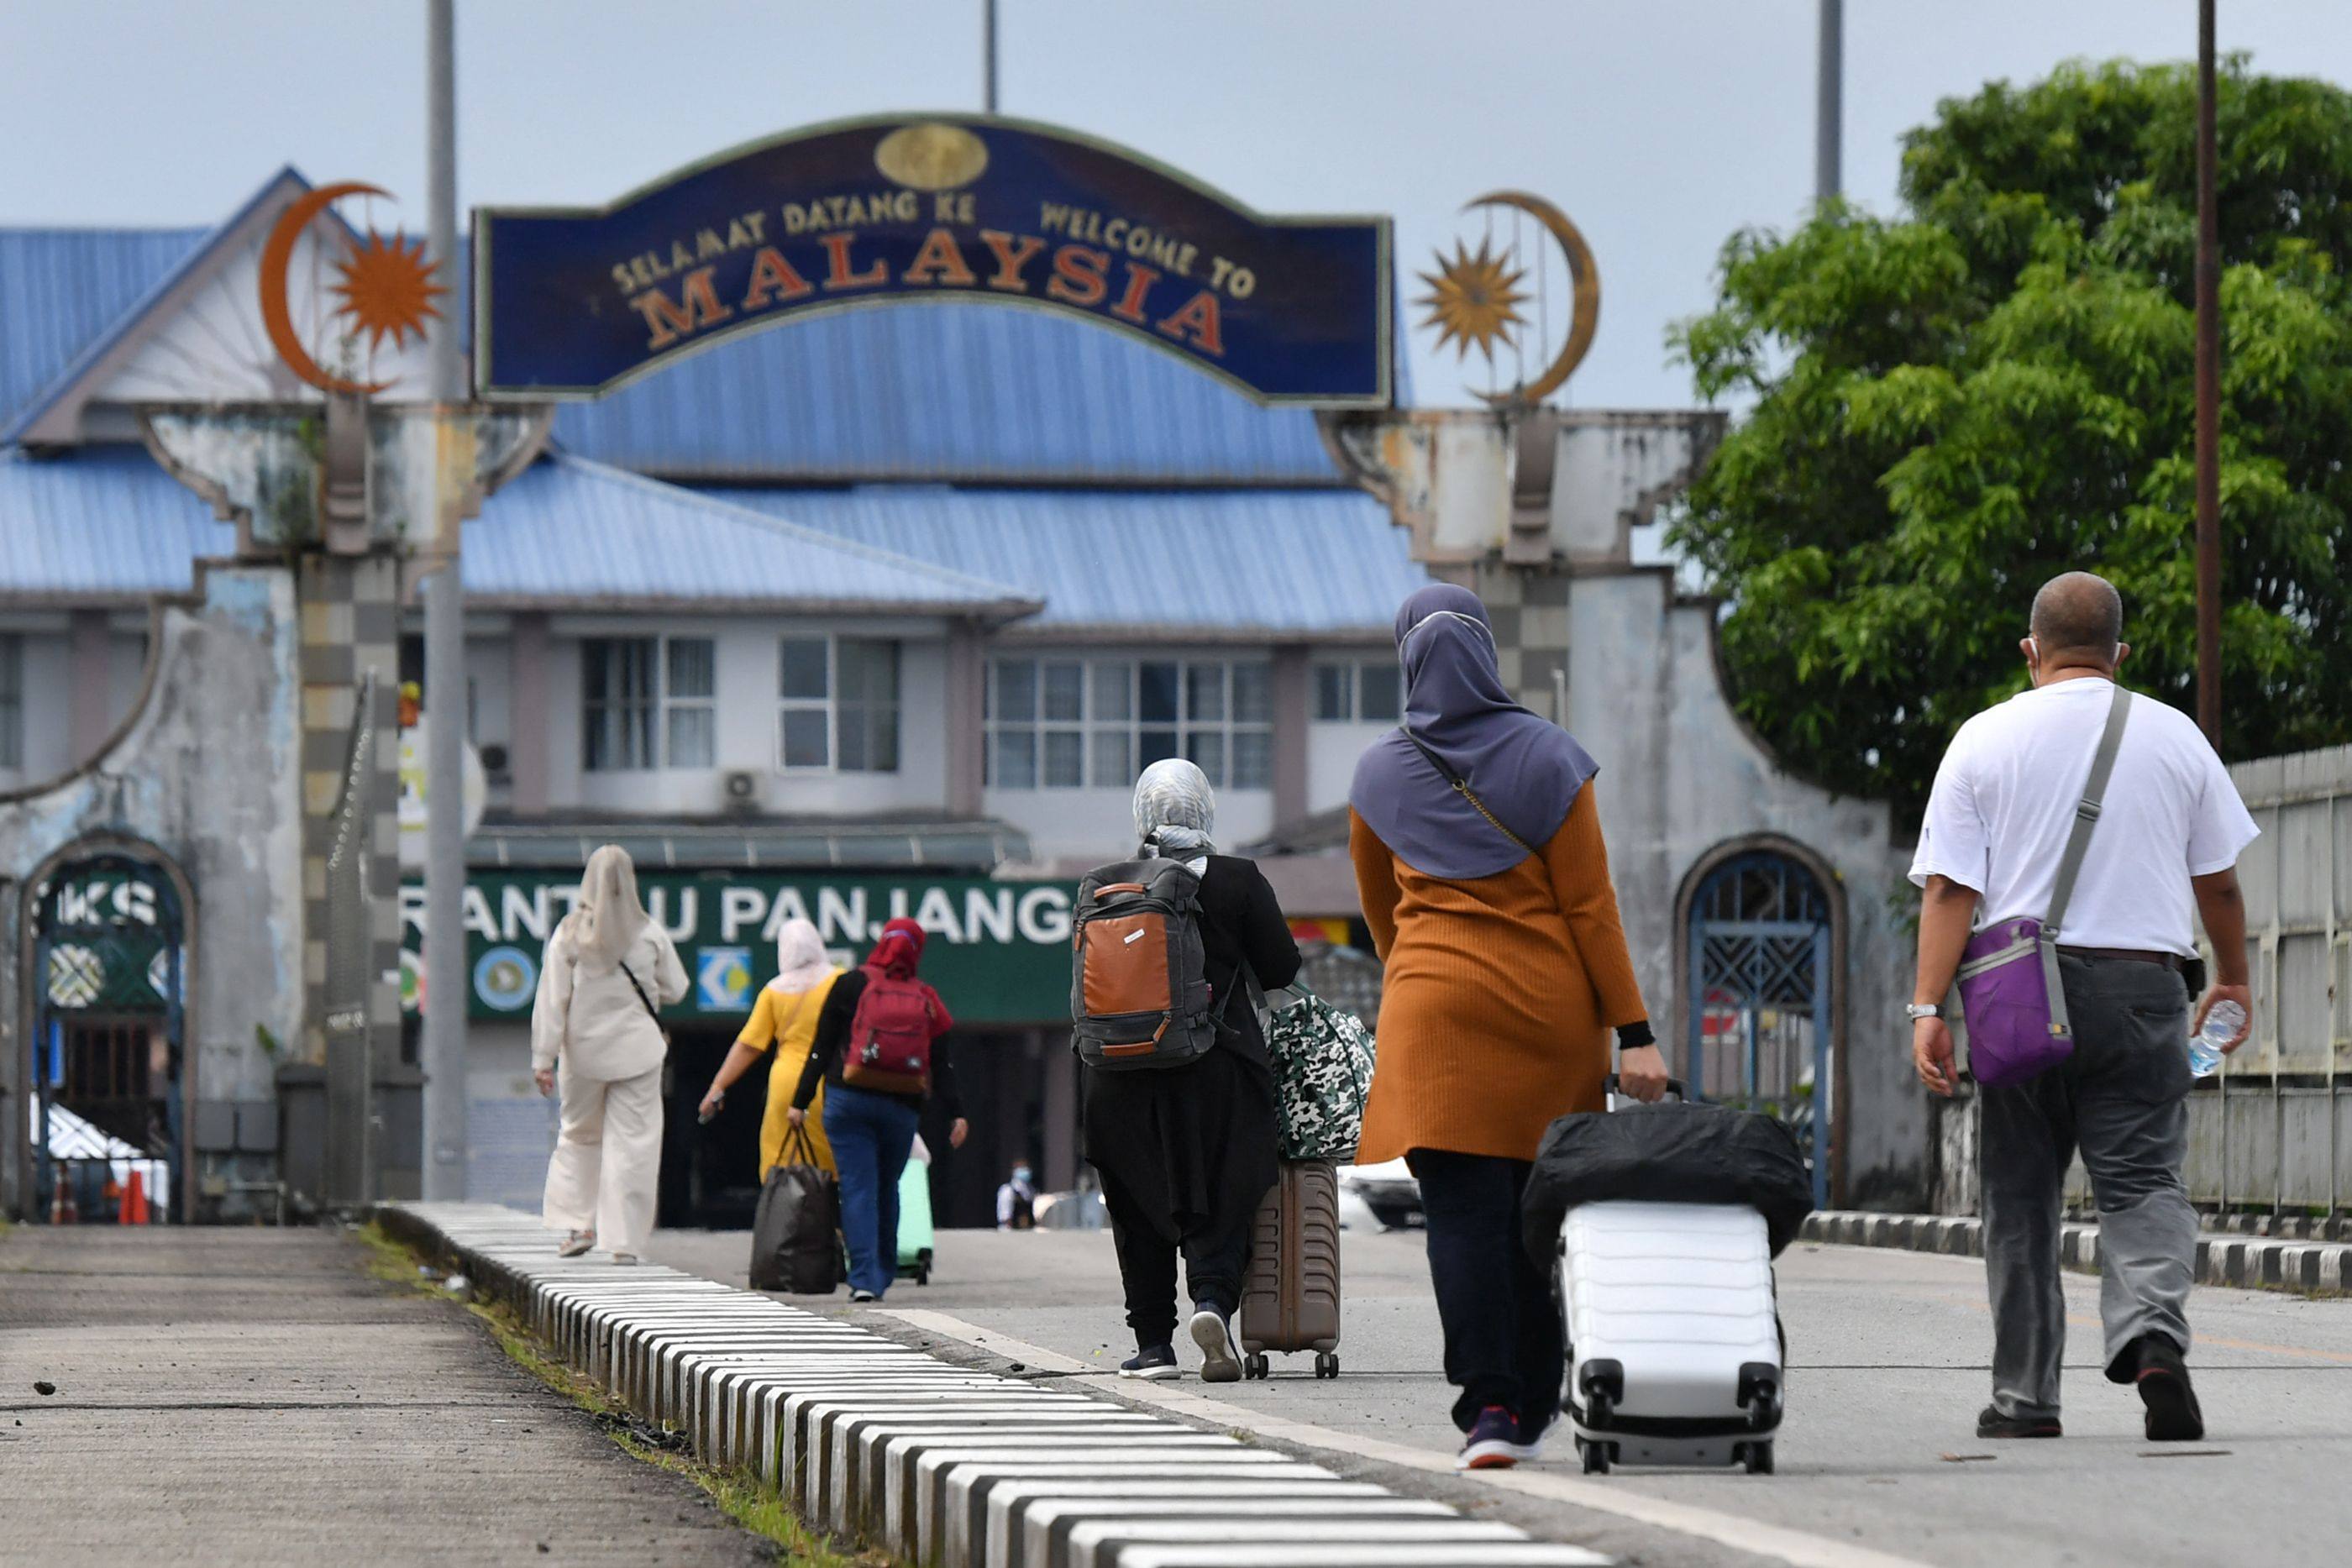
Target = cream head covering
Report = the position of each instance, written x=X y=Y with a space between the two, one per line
x=608 y=919
x=800 y=958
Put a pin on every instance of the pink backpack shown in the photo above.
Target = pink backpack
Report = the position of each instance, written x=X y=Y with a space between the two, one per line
x=889 y=1049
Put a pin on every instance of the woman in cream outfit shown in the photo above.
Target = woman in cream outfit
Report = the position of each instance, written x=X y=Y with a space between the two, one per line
x=593 y=1034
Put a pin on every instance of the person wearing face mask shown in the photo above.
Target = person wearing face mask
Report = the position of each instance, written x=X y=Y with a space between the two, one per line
x=1998 y=842
x=1016 y=1200
x=1476 y=838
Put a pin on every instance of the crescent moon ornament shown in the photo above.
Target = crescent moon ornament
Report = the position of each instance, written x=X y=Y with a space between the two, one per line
x=276 y=320
x=1582 y=273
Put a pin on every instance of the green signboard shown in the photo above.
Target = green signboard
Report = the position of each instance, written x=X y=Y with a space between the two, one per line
x=999 y=951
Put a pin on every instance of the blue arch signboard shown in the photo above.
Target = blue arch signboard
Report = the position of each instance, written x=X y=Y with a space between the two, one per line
x=573 y=302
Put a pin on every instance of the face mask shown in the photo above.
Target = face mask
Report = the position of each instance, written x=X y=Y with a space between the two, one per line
x=1021 y=1175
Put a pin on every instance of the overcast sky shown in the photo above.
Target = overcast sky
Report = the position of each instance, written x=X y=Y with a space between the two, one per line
x=1660 y=126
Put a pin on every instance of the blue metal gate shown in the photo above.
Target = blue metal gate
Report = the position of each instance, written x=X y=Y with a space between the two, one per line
x=1759 y=998
x=106 y=1051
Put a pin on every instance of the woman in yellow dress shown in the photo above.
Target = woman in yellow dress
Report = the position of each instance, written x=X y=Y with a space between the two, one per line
x=785 y=1017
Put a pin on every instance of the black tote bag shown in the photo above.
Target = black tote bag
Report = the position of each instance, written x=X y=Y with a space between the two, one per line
x=794 y=1238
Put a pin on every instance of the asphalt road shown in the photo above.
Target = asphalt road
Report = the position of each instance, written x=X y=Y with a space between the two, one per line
x=224 y=1396
x=1887 y=1356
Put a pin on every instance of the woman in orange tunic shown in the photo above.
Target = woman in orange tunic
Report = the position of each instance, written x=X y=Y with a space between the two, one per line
x=1480 y=865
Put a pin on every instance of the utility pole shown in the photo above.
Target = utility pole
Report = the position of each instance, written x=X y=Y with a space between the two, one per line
x=988 y=56
x=445 y=671
x=1828 y=107
x=2208 y=393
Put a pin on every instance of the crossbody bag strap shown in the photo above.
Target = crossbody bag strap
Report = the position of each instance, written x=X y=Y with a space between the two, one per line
x=652 y=1011
x=2070 y=862
x=1462 y=788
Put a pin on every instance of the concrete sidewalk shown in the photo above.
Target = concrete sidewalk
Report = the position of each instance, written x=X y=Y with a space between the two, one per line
x=252 y=1396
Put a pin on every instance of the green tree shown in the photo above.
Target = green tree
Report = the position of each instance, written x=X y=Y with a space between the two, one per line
x=1948 y=408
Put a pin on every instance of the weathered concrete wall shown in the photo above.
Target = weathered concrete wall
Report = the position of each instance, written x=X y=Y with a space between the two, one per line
x=1683 y=779
x=204 y=774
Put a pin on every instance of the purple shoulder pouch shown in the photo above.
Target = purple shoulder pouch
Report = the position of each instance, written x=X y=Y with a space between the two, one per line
x=2015 y=1006
x=2009 y=990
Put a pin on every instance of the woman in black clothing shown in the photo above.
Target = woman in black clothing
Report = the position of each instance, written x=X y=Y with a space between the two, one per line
x=1187 y=1153
x=871 y=1124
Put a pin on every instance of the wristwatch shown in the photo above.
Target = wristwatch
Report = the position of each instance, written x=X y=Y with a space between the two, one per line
x=1916 y=1010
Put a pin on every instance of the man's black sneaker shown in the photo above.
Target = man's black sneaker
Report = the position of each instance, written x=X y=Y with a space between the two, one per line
x=2173 y=1415
x=1152 y=1363
x=1991 y=1423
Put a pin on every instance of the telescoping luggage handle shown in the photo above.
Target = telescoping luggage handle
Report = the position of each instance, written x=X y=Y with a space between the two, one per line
x=1674 y=1087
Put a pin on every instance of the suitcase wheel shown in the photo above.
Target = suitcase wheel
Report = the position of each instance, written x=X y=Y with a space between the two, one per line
x=1757 y=1457
x=1595 y=1456
x=1254 y=1365
x=1326 y=1363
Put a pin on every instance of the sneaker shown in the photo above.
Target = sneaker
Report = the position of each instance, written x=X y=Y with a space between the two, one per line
x=1991 y=1423
x=860 y=1297
x=2173 y=1415
x=1531 y=1441
x=626 y=1259
x=1152 y=1363
x=578 y=1243
x=1220 y=1362
x=1494 y=1442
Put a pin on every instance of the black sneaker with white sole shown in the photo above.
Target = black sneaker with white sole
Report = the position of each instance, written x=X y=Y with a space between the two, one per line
x=1220 y=1361
x=1152 y=1363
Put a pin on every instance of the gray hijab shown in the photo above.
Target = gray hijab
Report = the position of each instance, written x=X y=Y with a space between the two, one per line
x=1175 y=809
x=608 y=919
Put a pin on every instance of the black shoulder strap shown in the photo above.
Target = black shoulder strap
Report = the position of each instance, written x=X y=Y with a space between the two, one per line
x=1462 y=788
x=651 y=1011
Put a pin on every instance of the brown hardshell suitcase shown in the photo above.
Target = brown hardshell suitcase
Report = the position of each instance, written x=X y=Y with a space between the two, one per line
x=1290 y=1298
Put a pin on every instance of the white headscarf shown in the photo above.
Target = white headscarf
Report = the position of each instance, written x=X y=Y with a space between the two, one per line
x=608 y=919
x=800 y=958
x=1175 y=809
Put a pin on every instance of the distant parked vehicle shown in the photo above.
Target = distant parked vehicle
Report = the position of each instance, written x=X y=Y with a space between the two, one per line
x=1379 y=1197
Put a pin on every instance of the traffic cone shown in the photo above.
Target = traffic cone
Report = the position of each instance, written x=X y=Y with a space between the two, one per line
x=62 y=1210
x=134 y=1200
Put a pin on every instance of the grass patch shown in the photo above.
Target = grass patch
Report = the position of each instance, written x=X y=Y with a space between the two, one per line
x=737 y=1494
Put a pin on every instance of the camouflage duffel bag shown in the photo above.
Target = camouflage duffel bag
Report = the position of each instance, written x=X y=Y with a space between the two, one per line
x=1322 y=1061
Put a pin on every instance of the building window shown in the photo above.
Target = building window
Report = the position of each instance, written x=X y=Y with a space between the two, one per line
x=1068 y=724
x=837 y=704
x=1368 y=691
x=649 y=702
x=12 y=701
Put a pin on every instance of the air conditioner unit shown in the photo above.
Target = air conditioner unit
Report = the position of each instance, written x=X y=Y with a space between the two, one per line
x=742 y=789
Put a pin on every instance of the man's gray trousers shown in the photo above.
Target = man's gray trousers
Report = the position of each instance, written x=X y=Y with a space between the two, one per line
x=2118 y=1099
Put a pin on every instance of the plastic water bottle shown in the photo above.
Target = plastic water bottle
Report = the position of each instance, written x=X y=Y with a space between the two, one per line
x=2221 y=1027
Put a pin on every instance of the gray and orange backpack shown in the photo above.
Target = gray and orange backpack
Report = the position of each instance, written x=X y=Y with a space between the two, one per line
x=1140 y=992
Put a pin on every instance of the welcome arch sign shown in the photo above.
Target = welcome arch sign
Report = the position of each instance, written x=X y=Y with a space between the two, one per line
x=573 y=302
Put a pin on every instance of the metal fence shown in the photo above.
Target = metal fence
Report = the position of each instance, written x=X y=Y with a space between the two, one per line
x=2271 y=1133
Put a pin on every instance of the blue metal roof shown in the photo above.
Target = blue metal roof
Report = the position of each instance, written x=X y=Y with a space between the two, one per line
x=1315 y=562
x=569 y=531
x=103 y=523
x=950 y=390
x=66 y=293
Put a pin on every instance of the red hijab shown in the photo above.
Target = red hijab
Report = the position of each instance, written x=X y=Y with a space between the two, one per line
x=899 y=950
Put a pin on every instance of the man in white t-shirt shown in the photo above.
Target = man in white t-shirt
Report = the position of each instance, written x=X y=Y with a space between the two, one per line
x=2169 y=833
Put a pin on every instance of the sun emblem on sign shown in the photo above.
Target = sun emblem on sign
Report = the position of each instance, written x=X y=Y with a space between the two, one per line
x=1473 y=300
x=388 y=289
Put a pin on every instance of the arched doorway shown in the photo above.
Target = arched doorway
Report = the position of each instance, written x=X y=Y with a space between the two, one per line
x=1760 y=1005
x=108 y=985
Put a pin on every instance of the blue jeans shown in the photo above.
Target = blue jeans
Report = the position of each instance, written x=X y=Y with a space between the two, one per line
x=872 y=1135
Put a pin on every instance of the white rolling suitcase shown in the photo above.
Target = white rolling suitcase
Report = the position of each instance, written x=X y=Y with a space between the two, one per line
x=1673 y=1341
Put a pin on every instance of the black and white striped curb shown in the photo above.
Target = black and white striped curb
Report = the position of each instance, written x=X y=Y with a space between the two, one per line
x=2244 y=1260
x=937 y=1465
